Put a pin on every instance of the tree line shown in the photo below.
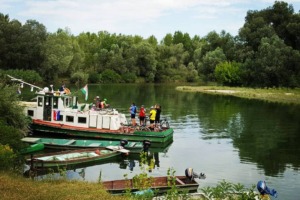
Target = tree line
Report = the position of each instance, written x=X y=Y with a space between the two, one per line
x=265 y=53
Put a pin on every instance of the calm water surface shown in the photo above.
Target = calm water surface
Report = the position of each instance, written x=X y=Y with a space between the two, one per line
x=238 y=140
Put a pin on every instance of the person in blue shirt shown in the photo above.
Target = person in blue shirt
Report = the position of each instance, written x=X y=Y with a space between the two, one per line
x=132 y=111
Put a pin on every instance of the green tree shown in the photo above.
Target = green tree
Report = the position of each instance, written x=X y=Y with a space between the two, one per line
x=110 y=76
x=275 y=64
x=209 y=63
x=59 y=52
x=13 y=123
x=146 y=61
x=228 y=73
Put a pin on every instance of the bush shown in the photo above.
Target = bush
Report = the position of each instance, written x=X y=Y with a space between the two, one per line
x=94 y=78
x=79 y=78
x=7 y=157
x=228 y=73
x=226 y=190
x=129 y=77
x=110 y=76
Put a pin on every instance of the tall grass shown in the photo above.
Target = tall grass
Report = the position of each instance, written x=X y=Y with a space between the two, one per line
x=18 y=188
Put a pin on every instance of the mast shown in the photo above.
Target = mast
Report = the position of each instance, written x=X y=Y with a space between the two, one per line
x=21 y=81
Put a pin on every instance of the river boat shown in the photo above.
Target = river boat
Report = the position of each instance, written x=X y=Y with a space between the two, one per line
x=55 y=112
x=62 y=143
x=71 y=158
x=32 y=148
x=159 y=184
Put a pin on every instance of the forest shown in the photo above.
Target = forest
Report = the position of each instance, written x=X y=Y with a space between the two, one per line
x=265 y=53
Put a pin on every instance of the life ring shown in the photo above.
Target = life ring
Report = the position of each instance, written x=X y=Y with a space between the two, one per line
x=67 y=91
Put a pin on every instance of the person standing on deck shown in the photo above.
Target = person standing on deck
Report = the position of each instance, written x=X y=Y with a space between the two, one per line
x=62 y=89
x=142 y=115
x=97 y=102
x=132 y=111
x=157 y=116
x=152 y=117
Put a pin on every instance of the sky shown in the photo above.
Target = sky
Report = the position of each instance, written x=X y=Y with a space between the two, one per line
x=137 y=17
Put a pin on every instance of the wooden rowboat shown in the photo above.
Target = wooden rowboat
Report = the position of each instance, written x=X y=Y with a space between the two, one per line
x=159 y=184
x=71 y=158
x=59 y=143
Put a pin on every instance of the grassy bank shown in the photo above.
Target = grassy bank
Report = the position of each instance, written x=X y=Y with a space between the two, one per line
x=288 y=96
x=18 y=188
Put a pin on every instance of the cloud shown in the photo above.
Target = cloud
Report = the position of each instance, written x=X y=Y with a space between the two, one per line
x=142 y=17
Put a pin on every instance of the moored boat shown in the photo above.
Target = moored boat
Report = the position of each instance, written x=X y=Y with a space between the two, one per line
x=60 y=143
x=56 y=112
x=71 y=158
x=160 y=184
x=32 y=148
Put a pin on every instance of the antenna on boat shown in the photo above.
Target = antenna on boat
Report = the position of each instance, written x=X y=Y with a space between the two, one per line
x=23 y=82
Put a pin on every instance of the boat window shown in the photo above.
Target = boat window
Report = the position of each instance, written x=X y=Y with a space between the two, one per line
x=61 y=118
x=69 y=118
x=40 y=101
x=68 y=102
x=47 y=101
x=30 y=113
x=55 y=102
x=82 y=120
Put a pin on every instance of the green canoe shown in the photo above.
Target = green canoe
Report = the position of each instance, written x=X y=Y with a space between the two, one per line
x=32 y=148
x=58 y=143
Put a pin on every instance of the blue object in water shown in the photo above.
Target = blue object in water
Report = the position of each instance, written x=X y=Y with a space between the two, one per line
x=263 y=189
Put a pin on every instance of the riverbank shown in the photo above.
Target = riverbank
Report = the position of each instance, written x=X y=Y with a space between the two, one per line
x=19 y=188
x=287 y=96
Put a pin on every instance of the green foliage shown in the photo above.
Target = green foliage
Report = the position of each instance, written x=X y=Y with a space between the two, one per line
x=228 y=73
x=129 y=77
x=21 y=46
x=30 y=76
x=110 y=76
x=94 y=77
x=79 y=78
x=142 y=181
x=11 y=136
x=267 y=47
x=10 y=109
x=226 y=190
x=210 y=61
x=7 y=157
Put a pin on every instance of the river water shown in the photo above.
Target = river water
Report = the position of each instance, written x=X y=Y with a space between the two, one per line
x=227 y=138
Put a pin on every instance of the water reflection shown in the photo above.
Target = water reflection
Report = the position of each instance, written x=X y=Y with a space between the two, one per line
x=226 y=137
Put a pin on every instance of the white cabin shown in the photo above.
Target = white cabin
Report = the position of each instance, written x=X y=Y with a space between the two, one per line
x=64 y=109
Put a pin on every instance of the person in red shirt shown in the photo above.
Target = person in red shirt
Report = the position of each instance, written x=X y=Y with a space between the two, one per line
x=142 y=115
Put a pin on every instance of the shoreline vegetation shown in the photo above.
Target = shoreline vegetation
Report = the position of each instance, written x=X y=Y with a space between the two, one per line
x=16 y=187
x=281 y=95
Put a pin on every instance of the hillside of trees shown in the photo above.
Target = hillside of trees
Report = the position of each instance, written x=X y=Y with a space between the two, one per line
x=265 y=53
